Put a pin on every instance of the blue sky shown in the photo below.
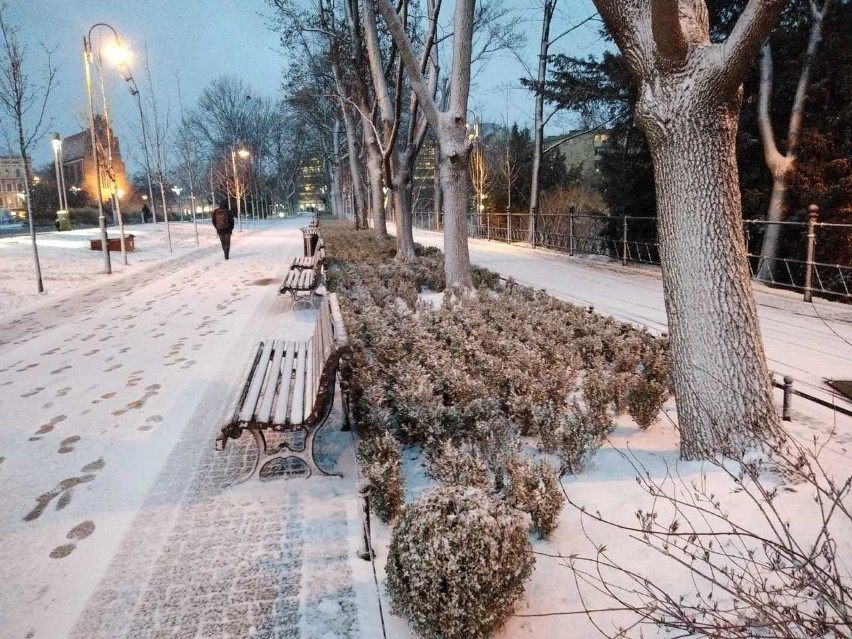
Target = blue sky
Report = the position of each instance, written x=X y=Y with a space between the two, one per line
x=197 y=40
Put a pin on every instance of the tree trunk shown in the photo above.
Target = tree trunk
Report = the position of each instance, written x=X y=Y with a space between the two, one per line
x=358 y=192
x=781 y=166
x=547 y=16
x=455 y=186
x=374 y=176
x=777 y=212
x=723 y=388
x=402 y=201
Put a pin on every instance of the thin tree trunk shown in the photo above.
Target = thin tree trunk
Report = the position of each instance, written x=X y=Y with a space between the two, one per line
x=724 y=391
x=547 y=17
x=374 y=176
x=782 y=165
x=359 y=195
x=402 y=205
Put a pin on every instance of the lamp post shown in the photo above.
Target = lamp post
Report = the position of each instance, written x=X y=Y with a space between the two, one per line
x=87 y=59
x=124 y=69
x=243 y=153
x=62 y=213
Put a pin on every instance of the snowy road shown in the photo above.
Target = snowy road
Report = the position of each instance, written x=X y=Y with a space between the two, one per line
x=810 y=342
x=114 y=522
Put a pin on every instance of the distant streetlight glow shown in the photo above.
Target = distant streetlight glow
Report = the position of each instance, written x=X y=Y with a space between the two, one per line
x=243 y=153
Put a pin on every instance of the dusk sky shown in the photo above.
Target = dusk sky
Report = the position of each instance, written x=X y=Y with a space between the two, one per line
x=196 y=41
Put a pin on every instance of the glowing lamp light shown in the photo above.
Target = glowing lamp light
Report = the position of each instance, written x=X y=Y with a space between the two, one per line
x=116 y=52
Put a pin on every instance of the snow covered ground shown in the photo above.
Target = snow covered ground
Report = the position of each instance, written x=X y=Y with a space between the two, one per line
x=114 y=522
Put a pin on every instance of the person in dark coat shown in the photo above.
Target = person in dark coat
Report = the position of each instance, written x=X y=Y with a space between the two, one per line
x=223 y=222
x=146 y=213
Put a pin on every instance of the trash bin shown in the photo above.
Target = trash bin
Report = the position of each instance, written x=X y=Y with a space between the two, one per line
x=64 y=219
x=310 y=235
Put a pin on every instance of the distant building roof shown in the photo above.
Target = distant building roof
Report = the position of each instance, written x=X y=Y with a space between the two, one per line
x=76 y=147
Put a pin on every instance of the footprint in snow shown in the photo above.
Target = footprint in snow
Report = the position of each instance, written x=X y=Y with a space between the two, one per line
x=67 y=444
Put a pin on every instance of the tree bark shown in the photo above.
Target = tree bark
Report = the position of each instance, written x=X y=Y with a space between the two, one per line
x=455 y=186
x=724 y=391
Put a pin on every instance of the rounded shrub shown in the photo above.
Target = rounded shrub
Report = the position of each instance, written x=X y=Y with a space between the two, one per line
x=457 y=561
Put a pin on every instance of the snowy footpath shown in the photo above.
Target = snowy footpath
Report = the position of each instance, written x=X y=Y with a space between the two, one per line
x=116 y=520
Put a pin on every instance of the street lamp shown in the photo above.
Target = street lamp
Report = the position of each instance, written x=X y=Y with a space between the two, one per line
x=114 y=50
x=56 y=142
x=124 y=69
x=243 y=153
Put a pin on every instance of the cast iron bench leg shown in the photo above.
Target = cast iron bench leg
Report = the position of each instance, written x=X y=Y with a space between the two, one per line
x=284 y=451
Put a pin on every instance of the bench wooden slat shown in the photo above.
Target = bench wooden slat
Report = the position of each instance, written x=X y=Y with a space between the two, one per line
x=310 y=364
x=264 y=413
x=247 y=413
x=280 y=418
x=297 y=414
x=325 y=328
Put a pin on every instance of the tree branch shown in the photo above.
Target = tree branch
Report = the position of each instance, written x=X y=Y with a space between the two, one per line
x=412 y=67
x=668 y=33
x=774 y=160
x=748 y=35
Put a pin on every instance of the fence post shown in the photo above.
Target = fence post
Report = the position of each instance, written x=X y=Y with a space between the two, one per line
x=364 y=492
x=788 y=392
x=813 y=212
x=624 y=240
x=571 y=231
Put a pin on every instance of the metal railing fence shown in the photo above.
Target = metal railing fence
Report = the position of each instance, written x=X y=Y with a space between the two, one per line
x=804 y=262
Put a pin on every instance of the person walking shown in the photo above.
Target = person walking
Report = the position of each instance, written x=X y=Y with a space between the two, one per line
x=223 y=222
x=146 y=213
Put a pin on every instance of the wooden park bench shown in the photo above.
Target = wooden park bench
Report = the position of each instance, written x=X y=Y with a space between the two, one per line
x=306 y=262
x=290 y=386
x=302 y=284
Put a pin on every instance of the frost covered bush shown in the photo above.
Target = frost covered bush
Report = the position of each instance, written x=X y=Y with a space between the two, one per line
x=381 y=464
x=578 y=437
x=457 y=562
x=458 y=466
x=517 y=350
x=534 y=488
x=597 y=397
x=644 y=401
x=496 y=437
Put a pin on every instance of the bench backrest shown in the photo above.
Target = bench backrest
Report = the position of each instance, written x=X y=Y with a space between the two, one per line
x=324 y=350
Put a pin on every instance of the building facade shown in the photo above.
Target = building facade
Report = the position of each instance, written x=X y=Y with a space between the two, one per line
x=79 y=163
x=581 y=149
x=12 y=185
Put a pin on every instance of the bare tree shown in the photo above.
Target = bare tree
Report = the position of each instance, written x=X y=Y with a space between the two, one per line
x=450 y=129
x=399 y=152
x=780 y=165
x=24 y=102
x=546 y=41
x=688 y=98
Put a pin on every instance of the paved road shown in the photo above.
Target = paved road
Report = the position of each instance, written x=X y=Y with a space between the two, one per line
x=115 y=521
x=810 y=342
